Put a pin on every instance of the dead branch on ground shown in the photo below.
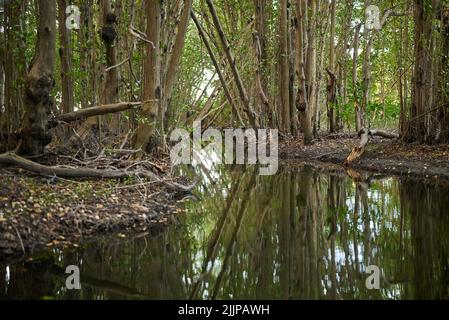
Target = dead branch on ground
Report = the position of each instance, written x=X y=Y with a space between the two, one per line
x=365 y=135
x=13 y=159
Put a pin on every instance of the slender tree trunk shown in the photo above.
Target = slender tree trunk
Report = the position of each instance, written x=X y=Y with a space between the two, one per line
x=2 y=79
x=342 y=60
x=2 y=88
x=355 y=84
x=331 y=87
x=366 y=80
x=406 y=71
x=301 y=98
x=443 y=95
x=14 y=66
x=110 y=85
x=260 y=43
x=109 y=37
x=40 y=83
x=65 y=54
x=284 y=68
x=145 y=137
x=83 y=41
x=402 y=101
x=311 y=60
x=175 y=59
x=294 y=124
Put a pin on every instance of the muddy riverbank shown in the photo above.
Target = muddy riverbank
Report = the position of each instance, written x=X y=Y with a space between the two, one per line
x=381 y=156
x=38 y=213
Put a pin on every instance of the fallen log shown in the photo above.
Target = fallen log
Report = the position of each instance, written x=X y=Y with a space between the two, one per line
x=365 y=135
x=93 y=111
x=13 y=159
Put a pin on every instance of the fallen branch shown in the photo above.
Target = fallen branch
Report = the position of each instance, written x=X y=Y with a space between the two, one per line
x=93 y=111
x=13 y=159
x=365 y=135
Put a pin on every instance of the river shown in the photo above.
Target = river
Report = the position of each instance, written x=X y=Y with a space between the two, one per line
x=305 y=233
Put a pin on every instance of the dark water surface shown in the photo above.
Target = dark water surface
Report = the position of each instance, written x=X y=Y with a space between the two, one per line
x=302 y=234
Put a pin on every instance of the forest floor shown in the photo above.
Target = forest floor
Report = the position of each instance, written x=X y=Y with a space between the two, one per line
x=38 y=212
x=383 y=156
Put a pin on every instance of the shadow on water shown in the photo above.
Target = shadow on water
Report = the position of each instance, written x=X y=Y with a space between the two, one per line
x=302 y=234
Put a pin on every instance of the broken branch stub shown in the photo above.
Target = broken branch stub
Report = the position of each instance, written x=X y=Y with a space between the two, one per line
x=365 y=135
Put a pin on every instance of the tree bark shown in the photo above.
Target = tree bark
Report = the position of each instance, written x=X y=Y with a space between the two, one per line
x=422 y=82
x=109 y=37
x=311 y=60
x=301 y=97
x=15 y=66
x=65 y=54
x=145 y=137
x=260 y=41
x=175 y=58
x=39 y=84
x=332 y=83
x=93 y=111
x=284 y=74
x=358 y=121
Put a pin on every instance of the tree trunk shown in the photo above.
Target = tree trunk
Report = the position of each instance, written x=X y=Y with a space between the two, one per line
x=366 y=80
x=145 y=137
x=2 y=88
x=65 y=54
x=260 y=41
x=355 y=84
x=422 y=83
x=109 y=37
x=174 y=60
x=284 y=74
x=332 y=83
x=40 y=83
x=110 y=86
x=443 y=95
x=301 y=98
x=14 y=66
x=311 y=60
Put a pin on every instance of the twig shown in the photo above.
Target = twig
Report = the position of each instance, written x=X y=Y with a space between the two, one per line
x=117 y=65
x=18 y=235
x=140 y=35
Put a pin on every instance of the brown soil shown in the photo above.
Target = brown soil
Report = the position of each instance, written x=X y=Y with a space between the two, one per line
x=381 y=155
x=39 y=212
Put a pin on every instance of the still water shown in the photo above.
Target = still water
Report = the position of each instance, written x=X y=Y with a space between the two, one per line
x=306 y=233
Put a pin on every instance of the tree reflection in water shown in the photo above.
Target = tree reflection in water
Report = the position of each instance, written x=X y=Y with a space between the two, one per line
x=302 y=234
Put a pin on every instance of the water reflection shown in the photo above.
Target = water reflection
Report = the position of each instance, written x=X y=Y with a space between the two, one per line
x=302 y=234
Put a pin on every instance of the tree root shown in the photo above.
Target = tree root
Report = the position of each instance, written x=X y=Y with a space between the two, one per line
x=13 y=159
